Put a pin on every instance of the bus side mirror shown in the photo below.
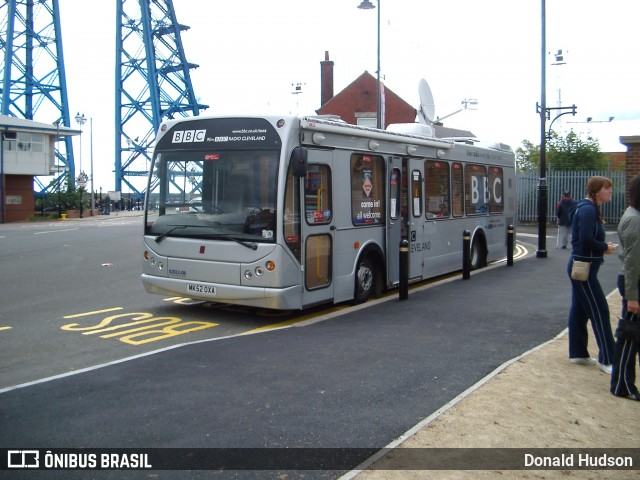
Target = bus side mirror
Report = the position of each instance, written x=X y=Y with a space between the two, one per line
x=299 y=161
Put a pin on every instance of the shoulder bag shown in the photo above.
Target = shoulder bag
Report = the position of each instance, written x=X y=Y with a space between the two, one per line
x=580 y=270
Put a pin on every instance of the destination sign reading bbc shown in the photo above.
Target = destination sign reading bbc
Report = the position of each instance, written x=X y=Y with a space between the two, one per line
x=225 y=459
x=196 y=136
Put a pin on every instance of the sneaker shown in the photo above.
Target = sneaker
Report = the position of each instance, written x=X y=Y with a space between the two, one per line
x=632 y=396
x=605 y=368
x=583 y=361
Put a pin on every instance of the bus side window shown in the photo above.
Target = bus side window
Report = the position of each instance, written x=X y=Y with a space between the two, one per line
x=476 y=189
x=394 y=194
x=317 y=195
x=437 y=189
x=457 y=189
x=291 y=217
x=416 y=193
x=496 y=202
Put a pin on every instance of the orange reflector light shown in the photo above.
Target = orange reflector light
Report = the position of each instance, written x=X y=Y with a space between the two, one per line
x=356 y=245
x=271 y=266
x=147 y=255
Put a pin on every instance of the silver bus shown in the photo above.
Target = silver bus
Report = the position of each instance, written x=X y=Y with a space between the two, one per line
x=287 y=212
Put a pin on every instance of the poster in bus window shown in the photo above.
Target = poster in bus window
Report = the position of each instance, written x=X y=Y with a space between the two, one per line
x=366 y=190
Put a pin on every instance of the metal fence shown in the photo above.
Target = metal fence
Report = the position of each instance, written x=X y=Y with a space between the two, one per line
x=558 y=183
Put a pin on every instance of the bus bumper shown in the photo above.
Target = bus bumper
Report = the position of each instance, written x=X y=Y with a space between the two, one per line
x=287 y=298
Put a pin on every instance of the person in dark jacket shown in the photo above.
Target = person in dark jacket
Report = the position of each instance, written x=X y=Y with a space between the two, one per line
x=564 y=209
x=628 y=332
x=588 y=301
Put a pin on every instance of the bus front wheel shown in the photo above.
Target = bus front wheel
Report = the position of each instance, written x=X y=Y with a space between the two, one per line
x=366 y=281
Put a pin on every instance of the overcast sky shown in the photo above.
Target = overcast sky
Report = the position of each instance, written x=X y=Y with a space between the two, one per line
x=250 y=53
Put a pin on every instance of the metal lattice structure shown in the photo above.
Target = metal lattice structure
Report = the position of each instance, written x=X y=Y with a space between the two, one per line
x=153 y=84
x=33 y=75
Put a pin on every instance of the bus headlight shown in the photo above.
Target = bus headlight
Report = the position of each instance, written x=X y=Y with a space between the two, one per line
x=155 y=263
x=259 y=271
x=248 y=274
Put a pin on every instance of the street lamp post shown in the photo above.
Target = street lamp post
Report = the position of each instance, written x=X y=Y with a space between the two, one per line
x=81 y=119
x=542 y=109
x=93 y=193
x=547 y=111
x=545 y=114
x=367 y=5
x=82 y=177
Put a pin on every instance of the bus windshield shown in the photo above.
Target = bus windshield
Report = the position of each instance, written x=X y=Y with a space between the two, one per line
x=228 y=195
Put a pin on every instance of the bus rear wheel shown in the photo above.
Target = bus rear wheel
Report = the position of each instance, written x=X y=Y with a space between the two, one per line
x=366 y=280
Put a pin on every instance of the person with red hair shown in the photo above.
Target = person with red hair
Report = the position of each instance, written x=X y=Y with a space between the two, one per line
x=588 y=301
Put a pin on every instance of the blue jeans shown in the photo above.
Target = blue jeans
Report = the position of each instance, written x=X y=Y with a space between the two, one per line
x=588 y=302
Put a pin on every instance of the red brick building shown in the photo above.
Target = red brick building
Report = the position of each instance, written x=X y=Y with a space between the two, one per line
x=356 y=104
x=632 y=160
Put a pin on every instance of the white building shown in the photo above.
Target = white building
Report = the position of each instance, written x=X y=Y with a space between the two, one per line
x=28 y=150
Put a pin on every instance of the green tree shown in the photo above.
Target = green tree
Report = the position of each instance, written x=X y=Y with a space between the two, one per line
x=528 y=156
x=563 y=153
x=67 y=196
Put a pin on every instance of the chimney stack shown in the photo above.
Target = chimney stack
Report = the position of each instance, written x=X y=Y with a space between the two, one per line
x=326 y=79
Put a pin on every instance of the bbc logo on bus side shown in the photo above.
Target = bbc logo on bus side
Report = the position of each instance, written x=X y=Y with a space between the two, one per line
x=23 y=459
x=189 y=136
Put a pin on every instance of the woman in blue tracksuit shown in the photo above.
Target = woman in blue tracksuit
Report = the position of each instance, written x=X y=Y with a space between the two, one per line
x=628 y=332
x=588 y=301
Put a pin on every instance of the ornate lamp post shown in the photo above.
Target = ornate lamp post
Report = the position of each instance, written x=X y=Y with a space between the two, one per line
x=81 y=119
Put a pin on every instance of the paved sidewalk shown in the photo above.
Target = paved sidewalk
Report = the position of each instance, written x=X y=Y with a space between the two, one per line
x=111 y=216
x=539 y=400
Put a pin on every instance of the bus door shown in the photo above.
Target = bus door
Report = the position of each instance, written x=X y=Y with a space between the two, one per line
x=443 y=244
x=394 y=220
x=317 y=230
x=418 y=244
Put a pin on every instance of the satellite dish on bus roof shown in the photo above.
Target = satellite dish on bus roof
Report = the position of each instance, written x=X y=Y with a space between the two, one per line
x=427 y=105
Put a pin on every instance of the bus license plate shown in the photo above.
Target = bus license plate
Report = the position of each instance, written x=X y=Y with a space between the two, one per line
x=201 y=289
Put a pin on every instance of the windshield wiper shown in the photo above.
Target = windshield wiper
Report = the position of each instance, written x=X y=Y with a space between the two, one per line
x=244 y=243
x=159 y=238
x=251 y=245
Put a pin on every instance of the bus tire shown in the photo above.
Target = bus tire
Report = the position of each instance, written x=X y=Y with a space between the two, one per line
x=366 y=281
x=478 y=254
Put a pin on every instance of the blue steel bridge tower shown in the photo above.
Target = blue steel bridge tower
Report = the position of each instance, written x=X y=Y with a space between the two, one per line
x=152 y=80
x=153 y=83
x=34 y=84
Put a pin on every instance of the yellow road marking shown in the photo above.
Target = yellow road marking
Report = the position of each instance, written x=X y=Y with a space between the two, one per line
x=6 y=328
x=95 y=312
x=293 y=321
x=273 y=326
